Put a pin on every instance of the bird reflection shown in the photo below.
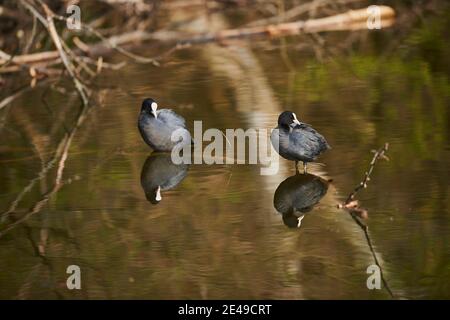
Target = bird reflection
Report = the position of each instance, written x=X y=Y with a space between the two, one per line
x=159 y=174
x=297 y=195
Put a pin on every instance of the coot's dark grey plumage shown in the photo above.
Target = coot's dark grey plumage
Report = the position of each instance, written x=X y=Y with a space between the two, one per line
x=297 y=141
x=297 y=195
x=158 y=126
x=159 y=173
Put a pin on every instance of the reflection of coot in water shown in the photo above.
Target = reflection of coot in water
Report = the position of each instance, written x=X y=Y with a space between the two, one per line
x=159 y=173
x=297 y=195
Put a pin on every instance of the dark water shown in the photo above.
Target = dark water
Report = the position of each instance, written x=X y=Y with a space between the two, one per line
x=217 y=233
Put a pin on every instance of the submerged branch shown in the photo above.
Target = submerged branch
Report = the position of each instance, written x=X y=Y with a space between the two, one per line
x=60 y=157
x=352 y=207
x=18 y=93
x=372 y=250
x=379 y=154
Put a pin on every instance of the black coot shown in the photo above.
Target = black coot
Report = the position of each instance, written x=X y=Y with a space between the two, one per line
x=297 y=141
x=159 y=127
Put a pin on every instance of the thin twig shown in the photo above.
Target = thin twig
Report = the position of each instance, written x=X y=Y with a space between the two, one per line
x=48 y=23
x=351 y=204
x=108 y=42
x=378 y=154
x=32 y=36
x=372 y=250
x=352 y=207
x=82 y=90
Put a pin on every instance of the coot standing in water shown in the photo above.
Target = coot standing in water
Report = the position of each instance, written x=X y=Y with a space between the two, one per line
x=157 y=126
x=297 y=141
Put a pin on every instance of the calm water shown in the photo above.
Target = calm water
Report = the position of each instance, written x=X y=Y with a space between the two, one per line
x=217 y=234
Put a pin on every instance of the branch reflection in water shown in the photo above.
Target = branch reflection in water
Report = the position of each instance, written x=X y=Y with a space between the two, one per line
x=298 y=195
x=159 y=174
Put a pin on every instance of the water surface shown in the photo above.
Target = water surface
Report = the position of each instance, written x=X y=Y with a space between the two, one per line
x=217 y=234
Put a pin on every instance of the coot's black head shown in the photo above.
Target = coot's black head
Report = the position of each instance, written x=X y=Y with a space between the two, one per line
x=292 y=221
x=154 y=195
x=149 y=106
x=287 y=119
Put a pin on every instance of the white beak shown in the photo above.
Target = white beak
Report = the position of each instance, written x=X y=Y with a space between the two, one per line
x=300 y=221
x=158 y=194
x=154 y=106
x=295 y=119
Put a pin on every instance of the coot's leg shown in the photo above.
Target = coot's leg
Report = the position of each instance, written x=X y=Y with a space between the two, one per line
x=296 y=167
x=304 y=167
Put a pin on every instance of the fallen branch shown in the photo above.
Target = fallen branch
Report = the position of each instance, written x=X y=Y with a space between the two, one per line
x=8 y=13
x=351 y=20
x=297 y=11
x=82 y=90
x=29 y=58
x=48 y=23
x=113 y=45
